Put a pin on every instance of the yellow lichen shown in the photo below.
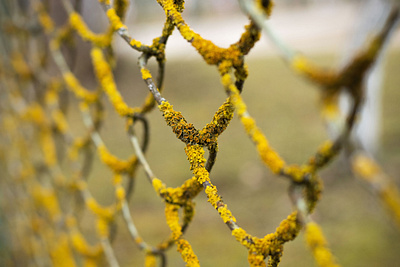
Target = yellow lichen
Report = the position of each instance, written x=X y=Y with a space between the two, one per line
x=391 y=197
x=158 y=185
x=120 y=193
x=48 y=147
x=318 y=245
x=172 y=219
x=115 y=163
x=106 y=79
x=115 y=20
x=103 y=228
x=79 y=91
x=330 y=109
x=103 y=212
x=21 y=66
x=135 y=43
x=82 y=29
x=296 y=172
x=365 y=167
x=256 y=260
x=145 y=73
x=212 y=195
x=46 y=21
x=226 y=214
x=289 y=228
x=81 y=246
x=60 y=120
x=300 y=63
x=46 y=198
x=121 y=7
x=150 y=260
x=187 y=253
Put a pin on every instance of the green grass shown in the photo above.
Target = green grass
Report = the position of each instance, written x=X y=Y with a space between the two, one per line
x=286 y=109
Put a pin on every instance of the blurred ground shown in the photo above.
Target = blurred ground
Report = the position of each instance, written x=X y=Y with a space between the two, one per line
x=286 y=109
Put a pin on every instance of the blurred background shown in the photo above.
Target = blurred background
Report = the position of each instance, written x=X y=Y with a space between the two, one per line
x=285 y=106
